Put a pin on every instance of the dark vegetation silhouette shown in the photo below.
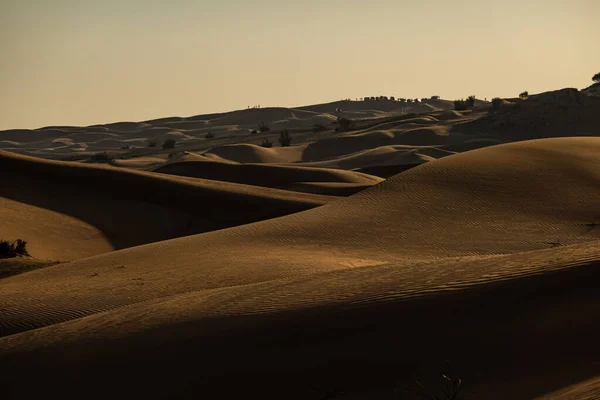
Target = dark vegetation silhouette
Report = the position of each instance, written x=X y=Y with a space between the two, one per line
x=451 y=388
x=13 y=249
x=319 y=127
x=524 y=94
x=285 y=138
x=464 y=104
x=266 y=143
x=101 y=157
x=496 y=103
x=152 y=143
x=263 y=127
x=169 y=144
x=344 y=124
x=175 y=154
x=596 y=78
x=209 y=135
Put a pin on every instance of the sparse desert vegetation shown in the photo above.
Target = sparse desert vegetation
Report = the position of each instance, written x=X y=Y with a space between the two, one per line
x=15 y=248
x=596 y=78
x=285 y=139
x=169 y=144
x=263 y=127
x=463 y=104
x=344 y=124
x=496 y=103
x=103 y=157
x=319 y=127
x=266 y=143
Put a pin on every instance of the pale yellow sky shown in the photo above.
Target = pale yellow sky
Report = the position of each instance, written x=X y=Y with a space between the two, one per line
x=79 y=62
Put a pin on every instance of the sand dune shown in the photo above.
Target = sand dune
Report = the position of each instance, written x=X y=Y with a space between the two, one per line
x=274 y=176
x=248 y=153
x=392 y=280
x=95 y=209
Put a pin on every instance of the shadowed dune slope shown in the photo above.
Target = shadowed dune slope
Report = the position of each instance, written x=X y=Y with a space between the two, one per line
x=506 y=231
x=68 y=211
x=275 y=176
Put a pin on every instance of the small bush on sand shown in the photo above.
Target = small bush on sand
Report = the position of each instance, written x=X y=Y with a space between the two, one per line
x=152 y=143
x=101 y=157
x=285 y=138
x=263 y=127
x=209 y=135
x=464 y=104
x=524 y=94
x=460 y=105
x=169 y=144
x=319 y=128
x=266 y=143
x=496 y=103
x=344 y=124
x=596 y=78
x=13 y=249
x=450 y=390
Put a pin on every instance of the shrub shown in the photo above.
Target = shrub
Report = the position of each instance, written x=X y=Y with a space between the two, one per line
x=101 y=157
x=285 y=138
x=464 y=104
x=450 y=389
x=524 y=94
x=461 y=105
x=263 y=127
x=596 y=78
x=319 y=128
x=254 y=132
x=174 y=154
x=209 y=135
x=392 y=98
x=435 y=97
x=266 y=143
x=152 y=143
x=13 y=249
x=344 y=124
x=496 y=103
x=409 y=100
x=169 y=144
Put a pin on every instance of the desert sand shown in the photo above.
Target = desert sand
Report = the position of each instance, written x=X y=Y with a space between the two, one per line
x=349 y=265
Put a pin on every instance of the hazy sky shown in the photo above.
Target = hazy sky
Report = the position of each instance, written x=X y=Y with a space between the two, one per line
x=80 y=62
